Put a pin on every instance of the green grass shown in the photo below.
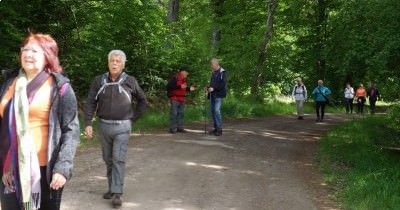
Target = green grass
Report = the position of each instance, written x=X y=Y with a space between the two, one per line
x=231 y=108
x=365 y=175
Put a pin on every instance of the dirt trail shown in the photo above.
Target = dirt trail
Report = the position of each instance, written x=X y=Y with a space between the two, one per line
x=257 y=164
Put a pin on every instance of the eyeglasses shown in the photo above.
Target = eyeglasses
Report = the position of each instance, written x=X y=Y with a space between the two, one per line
x=26 y=49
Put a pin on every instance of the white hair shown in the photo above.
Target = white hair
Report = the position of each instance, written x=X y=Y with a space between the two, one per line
x=215 y=60
x=117 y=53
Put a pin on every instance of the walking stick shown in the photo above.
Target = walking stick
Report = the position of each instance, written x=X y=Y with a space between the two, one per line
x=205 y=111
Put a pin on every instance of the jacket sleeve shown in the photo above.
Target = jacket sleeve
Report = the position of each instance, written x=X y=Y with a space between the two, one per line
x=306 y=93
x=141 y=99
x=69 y=139
x=179 y=83
x=91 y=102
x=293 y=91
x=327 y=91
x=314 y=93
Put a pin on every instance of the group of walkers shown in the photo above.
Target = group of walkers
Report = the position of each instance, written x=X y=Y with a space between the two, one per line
x=321 y=94
x=39 y=126
x=361 y=97
x=216 y=91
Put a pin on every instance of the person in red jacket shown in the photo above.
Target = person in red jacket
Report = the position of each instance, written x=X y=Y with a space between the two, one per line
x=177 y=88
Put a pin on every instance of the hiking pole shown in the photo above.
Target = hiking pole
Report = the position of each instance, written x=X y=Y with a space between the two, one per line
x=205 y=111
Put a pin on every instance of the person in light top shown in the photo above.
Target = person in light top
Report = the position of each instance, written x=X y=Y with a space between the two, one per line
x=349 y=97
x=299 y=94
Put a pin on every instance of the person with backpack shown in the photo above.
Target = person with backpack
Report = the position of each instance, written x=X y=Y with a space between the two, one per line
x=349 y=97
x=373 y=95
x=177 y=88
x=320 y=93
x=300 y=95
x=39 y=128
x=112 y=97
x=361 y=94
x=217 y=91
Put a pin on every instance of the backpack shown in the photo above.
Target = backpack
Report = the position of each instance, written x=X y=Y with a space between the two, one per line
x=304 y=92
x=171 y=85
x=105 y=84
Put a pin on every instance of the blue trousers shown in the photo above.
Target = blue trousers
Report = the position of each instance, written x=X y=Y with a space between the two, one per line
x=215 y=107
x=176 y=115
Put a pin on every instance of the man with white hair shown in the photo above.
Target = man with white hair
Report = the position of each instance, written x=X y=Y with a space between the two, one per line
x=111 y=97
x=217 y=91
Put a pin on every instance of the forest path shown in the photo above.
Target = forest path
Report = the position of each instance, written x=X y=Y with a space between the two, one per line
x=262 y=163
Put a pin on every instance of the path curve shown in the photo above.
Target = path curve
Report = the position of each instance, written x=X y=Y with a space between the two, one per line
x=265 y=163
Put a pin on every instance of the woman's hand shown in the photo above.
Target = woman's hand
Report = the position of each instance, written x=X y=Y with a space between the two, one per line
x=8 y=179
x=58 y=181
x=89 y=132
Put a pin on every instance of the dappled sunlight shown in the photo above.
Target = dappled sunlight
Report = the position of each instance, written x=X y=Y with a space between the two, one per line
x=210 y=166
x=151 y=134
x=194 y=130
x=131 y=204
x=205 y=143
x=282 y=135
x=98 y=178
x=223 y=168
x=249 y=172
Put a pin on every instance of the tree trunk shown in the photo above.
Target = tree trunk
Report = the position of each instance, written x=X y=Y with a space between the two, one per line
x=173 y=11
x=320 y=38
x=272 y=5
x=216 y=33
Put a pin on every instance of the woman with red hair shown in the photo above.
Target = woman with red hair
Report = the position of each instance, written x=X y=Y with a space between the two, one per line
x=39 y=128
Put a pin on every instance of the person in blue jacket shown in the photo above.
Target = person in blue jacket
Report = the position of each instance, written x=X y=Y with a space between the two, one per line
x=320 y=93
x=217 y=91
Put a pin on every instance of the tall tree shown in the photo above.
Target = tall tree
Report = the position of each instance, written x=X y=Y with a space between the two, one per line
x=272 y=5
x=216 y=33
x=320 y=29
x=173 y=11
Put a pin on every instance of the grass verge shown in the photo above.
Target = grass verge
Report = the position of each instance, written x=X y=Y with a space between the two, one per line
x=354 y=161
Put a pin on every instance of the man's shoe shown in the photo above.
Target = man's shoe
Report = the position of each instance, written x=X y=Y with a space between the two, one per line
x=212 y=132
x=108 y=195
x=300 y=118
x=218 y=133
x=117 y=202
x=173 y=131
x=317 y=120
x=181 y=130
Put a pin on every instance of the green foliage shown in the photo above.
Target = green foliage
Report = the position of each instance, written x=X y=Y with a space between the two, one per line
x=393 y=116
x=232 y=108
x=356 y=41
x=365 y=175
